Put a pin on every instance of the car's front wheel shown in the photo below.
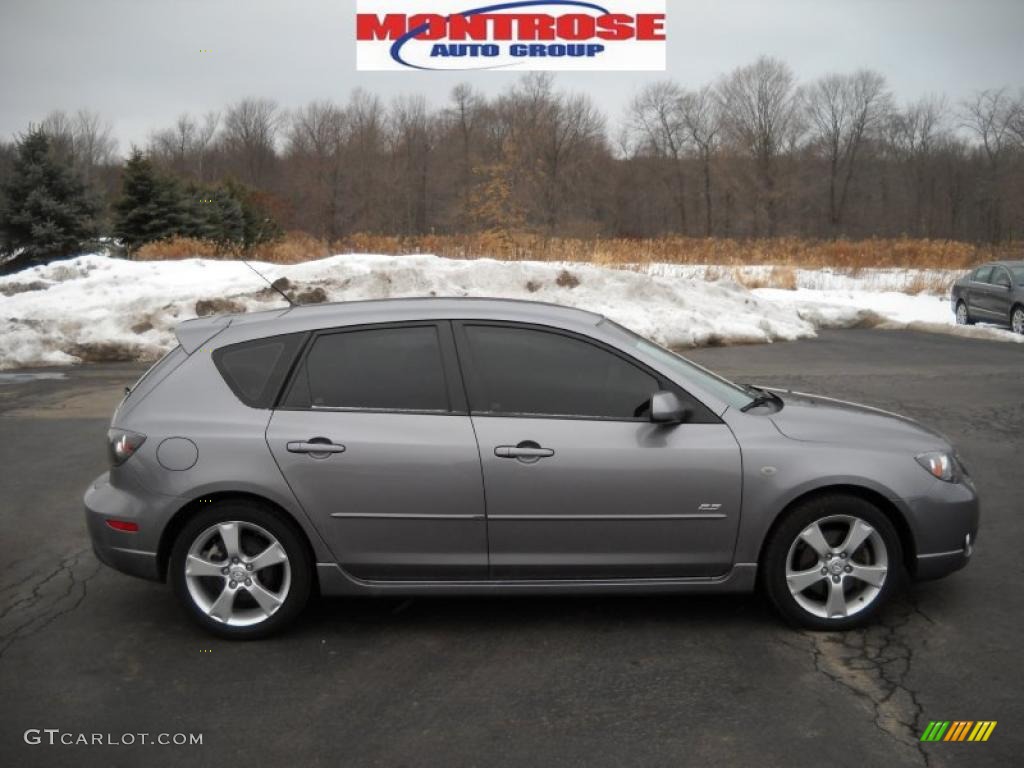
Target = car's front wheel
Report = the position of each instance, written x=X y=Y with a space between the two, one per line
x=1017 y=319
x=963 y=316
x=832 y=563
x=240 y=570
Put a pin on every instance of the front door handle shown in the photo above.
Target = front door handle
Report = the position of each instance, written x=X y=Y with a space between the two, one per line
x=527 y=452
x=317 y=447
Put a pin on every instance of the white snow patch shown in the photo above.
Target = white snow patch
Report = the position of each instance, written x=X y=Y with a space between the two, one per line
x=101 y=308
x=96 y=307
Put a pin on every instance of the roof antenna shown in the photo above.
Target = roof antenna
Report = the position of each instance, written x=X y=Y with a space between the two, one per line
x=284 y=295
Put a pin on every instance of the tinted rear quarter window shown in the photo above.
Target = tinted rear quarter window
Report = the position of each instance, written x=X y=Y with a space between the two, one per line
x=374 y=369
x=529 y=371
x=982 y=274
x=255 y=370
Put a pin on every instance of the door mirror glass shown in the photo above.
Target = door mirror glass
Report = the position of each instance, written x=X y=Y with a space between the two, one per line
x=667 y=408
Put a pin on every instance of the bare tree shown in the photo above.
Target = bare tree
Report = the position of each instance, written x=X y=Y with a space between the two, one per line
x=912 y=135
x=413 y=136
x=844 y=111
x=990 y=115
x=83 y=139
x=249 y=136
x=702 y=120
x=761 y=112
x=315 y=140
x=658 y=120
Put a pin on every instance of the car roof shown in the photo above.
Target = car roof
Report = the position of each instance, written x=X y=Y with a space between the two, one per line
x=1015 y=263
x=193 y=334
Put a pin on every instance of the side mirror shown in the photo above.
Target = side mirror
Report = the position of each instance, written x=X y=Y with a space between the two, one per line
x=667 y=408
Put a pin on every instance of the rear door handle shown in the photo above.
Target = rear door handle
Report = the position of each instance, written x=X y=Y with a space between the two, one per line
x=527 y=451
x=315 y=446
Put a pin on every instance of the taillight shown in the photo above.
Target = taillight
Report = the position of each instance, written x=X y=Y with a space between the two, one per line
x=124 y=526
x=122 y=444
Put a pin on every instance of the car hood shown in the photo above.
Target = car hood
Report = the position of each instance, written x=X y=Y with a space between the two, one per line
x=813 y=418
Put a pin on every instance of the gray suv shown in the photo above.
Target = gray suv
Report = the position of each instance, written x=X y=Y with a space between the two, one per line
x=477 y=446
x=993 y=293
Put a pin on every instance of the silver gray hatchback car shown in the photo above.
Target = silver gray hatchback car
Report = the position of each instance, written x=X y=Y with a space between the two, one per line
x=478 y=446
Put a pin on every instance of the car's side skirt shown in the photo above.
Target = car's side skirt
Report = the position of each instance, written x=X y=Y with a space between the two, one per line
x=335 y=581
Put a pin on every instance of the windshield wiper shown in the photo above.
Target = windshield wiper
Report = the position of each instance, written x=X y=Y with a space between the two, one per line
x=760 y=397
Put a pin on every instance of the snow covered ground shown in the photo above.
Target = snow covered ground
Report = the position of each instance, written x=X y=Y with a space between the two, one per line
x=100 y=308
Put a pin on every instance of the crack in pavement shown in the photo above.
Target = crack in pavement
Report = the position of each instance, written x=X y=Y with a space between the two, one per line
x=874 y=664
x=47 y=601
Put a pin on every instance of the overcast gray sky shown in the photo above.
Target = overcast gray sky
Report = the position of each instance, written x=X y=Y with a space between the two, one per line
x=137 y=62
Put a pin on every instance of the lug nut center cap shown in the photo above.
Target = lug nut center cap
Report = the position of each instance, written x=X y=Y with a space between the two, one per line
x=238 y=573
x=836 y=567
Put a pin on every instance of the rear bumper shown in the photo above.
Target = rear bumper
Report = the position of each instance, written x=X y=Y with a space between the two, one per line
x=132 y=553
x=945 y=525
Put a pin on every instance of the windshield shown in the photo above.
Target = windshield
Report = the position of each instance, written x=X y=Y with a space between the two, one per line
x=1018 y=275
x=684 y=369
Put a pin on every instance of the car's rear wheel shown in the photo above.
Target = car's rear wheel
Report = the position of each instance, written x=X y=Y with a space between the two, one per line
x=1017 y=319
x=963 y=316
x=240 y=570
x=832 y=563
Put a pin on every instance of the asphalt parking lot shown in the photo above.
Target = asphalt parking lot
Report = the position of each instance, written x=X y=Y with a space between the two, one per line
x=622 y=681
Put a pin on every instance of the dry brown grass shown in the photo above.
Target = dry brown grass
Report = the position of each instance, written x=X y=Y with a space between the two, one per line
x=931 y=284
x=852 y=255
x=784 y=253
x=777 y=277
x=180 y=248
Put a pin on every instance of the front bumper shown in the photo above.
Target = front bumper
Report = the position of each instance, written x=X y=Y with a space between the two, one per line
x=945 y=527
x=133 y=553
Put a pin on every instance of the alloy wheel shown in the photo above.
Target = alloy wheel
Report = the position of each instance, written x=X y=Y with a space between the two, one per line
x=836 y=567
x=1017 y=321
x=237 y=573
x=961 y=314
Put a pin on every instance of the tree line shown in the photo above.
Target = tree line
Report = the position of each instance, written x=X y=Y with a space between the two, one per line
x=754 y=154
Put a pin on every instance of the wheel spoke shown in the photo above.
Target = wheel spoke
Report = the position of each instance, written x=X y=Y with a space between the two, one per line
x=800 y=580
x=815 y=539
x=198 y=566
x=871 y=574
x=223 y=607
x=229 y=535
x=857 y=535
x=266 y=599
x=272 y=555
x=836 y=604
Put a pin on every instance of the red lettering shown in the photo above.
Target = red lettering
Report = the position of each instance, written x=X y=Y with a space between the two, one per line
x=369 y=26
x=650 y=26
x=615 y=26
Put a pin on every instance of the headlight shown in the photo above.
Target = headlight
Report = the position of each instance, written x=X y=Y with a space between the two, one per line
x=122 y=444
x=941 y=465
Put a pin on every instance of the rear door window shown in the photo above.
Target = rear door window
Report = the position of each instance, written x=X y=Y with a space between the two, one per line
x=381 y=369
x=982 y=274
x=1000 y=277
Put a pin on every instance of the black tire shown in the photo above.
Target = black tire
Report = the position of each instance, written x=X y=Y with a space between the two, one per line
x=967 y=314
x=299 y=579
x=1017 y=319
x=778 y=550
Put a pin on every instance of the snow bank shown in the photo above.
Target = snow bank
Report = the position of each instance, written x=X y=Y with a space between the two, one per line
x=100 y=308
x=897 y=311
x=97 y=308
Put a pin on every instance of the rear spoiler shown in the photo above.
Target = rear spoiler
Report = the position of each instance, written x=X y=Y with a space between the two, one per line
x=192 y=334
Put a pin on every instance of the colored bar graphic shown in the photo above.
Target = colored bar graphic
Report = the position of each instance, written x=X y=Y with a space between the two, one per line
x=958 y=730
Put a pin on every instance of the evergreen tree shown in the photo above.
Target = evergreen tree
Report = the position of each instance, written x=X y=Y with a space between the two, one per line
x=46 y=211
x=151 y=207
x=258 y=226
x=214 y=215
